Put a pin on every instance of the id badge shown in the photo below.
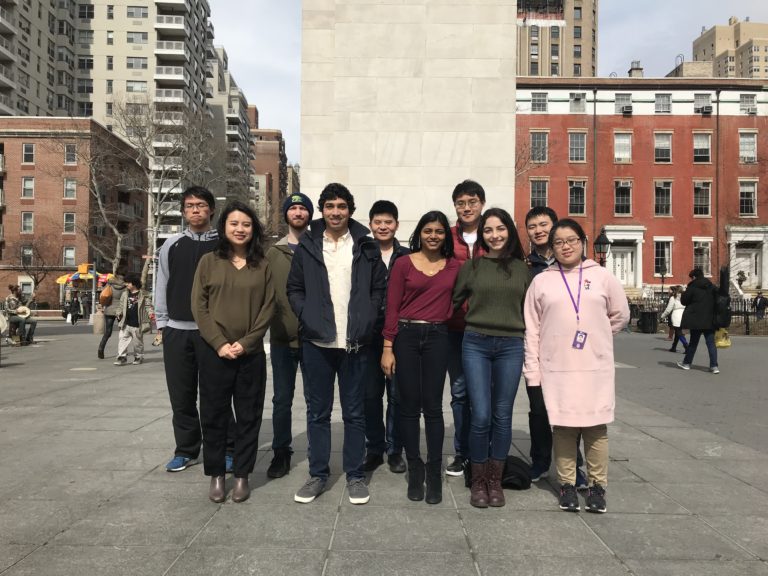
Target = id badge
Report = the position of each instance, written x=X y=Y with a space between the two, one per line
x=579 y=340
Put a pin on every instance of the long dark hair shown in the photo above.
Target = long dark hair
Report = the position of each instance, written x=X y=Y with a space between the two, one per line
x=433 y=216
x=254 y=251
x=512 y=249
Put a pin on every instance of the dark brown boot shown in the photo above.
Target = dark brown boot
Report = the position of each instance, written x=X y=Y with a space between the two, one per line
x=241 y=492
x=217 y=492
x=495 y=491
x=479 y=490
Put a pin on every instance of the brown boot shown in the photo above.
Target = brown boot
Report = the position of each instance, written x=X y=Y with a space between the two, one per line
x=495 y=491
x=241 y=492
x=479 y=489
x=217 y=492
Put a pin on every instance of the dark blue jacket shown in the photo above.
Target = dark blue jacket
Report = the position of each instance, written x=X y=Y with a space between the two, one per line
x=309 y=291
x=537 y=263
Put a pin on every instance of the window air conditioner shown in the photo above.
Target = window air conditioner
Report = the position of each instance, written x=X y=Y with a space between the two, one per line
x=706 y=109
x=625 y=183
x=752 y=110
x=626 y=109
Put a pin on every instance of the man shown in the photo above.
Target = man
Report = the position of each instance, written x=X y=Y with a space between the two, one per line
x=538 y=222
x=468 y=199
x=698 y=317
x=285 y=352
x=381 y=437
x=177 y=264
x=335 y=287
x=760 y=303
x=133 y=318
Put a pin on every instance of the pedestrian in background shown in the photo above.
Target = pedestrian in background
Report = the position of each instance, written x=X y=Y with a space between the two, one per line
x=760 y=303
x=572 y=310
x=698 y=317
x=133 y=317
x=232 y=301
x=117 y=288
x=674 y=311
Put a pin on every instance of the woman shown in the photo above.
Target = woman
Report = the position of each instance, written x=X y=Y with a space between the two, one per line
x=674 y=311
x=134 y=320
x=416 y=341
x=492 y=348
x=572 y=310
x=232 y=302
x=699 y=317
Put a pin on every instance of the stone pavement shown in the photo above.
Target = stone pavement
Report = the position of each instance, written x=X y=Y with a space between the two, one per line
x=83 y=444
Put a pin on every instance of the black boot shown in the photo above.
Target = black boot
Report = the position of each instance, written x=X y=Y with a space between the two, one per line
x=415 y=479
x=434 y=482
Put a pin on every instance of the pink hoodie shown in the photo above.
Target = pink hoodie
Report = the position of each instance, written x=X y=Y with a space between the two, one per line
x=578 y=385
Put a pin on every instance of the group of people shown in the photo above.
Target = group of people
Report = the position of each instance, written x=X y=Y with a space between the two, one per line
x=347 y=303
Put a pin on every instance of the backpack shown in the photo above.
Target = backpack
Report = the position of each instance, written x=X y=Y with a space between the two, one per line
x=722 y=317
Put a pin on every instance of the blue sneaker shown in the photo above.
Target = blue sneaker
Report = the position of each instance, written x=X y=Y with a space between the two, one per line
x=539 y=471
x=581 y=480
x=229 y=464
x=179 y=463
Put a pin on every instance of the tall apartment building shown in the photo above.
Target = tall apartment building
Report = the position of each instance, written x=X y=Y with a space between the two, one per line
x=557 y=38
x=270 y=162
x=738 y=50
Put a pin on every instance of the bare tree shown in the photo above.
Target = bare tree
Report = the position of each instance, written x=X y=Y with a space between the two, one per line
x=37 y=257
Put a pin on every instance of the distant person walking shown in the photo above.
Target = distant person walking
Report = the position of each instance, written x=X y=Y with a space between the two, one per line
x=674 y=311
x=133 y=317
x=698 y=317
x=117 y=286
x=760 y=303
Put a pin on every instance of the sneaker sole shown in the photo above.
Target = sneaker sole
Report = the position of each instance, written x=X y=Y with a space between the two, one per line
x=304 y=499
x=454 y=473
x=187 y=465
x=359 y=500
x=597 y=510
x=540 y=477
x=570 y=509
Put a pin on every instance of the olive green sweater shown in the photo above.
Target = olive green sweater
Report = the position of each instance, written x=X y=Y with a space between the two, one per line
x=495 y=297
x=231 y=305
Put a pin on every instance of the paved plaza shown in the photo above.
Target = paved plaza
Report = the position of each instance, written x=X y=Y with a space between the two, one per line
x=85 y=492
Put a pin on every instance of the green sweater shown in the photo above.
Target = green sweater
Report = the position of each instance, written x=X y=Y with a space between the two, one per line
x=495 y=298
x=231 y=305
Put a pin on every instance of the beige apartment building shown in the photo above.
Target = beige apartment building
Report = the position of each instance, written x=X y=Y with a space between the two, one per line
x=736 y=50
x=557 y=38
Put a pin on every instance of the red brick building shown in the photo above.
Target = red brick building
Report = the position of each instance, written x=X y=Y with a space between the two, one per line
x=270 y=164
x=53 y=170
x=674 y=169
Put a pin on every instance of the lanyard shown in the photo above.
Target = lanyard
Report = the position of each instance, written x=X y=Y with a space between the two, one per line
x=576 y=303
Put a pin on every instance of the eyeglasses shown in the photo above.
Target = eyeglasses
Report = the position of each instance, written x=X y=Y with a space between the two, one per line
x=572 y=241
x=200 y=206
x=467 y=203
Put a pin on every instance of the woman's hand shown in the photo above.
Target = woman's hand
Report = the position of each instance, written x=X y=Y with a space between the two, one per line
x=388 y=362
x=226 y=352
x=237 y=349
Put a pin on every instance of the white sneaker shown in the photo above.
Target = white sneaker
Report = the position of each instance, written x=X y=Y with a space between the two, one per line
x=715 y=370
x=684 y=366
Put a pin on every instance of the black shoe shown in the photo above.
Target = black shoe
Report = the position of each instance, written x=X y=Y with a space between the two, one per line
x=596 y=499
x=456 y=467
x=280 y=465
x=101 y=354
x=434 y=494
x=372 y=461
x=416 y=480
x=569 y=499
x=396 y=463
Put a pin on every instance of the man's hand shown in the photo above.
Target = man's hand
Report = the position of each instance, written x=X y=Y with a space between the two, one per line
x=237 y=349
x=226 y=352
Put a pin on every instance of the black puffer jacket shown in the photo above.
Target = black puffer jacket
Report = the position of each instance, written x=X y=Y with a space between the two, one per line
x=699 y=302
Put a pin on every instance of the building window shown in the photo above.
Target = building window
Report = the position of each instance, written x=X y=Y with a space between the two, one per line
x=136 y=63
x=110 y=86
x=662 y=257
x=28 y=187
x=747 y=147
x=662 y=148
x=577 y=70
x=534 y=32
x=577 y=32
x=662 y=200
x=539 y=146
x=534 y=50
x=69 y=222
x=577 y=50
x=534 y=69
x=85 y=62
x=577 y=13
x=137 y=37
x=539 y=102
x=538 y=193
x=577 y=198
x=85 y=109
x=747 y=104
x=110 y=37
x=85 y=37
x=27 y=255
x=663 y=103
x=85 y=11
x=138 y=12
x=621 y=102
x=702 y=256
x=577 y=147
x=70 y=188
x=554 y=33
x=554 y=51
x=554 y=69
x=135 y=86
x=84 y=86
x=110 y=11
x=622 y=198
x=68 y=256
x=28 y=153
x=70 y=153
x=109 y=109
x=701 y=148
x=622 y=147
x=747 y=198
x=27 y=222
x=701 y=198
x=701 y=100
x=110 y=62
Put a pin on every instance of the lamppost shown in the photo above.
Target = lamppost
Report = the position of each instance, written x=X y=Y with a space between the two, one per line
x=662 y=273
x=601 y=246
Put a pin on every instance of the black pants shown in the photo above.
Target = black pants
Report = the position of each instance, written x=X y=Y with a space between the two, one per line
x=181 y=350
x=223 y=382
x=421 y=356
x=109 y=324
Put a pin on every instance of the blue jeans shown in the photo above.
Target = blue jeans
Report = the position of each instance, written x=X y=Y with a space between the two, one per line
x=459 y=399
x=285 y=362
x=492 y=366
x=380 y=434
x=321 y=367
x=709 y=338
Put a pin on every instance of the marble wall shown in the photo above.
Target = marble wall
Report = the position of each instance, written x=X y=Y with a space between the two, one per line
x=403 y=99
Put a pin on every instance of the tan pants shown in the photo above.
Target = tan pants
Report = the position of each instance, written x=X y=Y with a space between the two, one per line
x=127 y=334
x=595 y=452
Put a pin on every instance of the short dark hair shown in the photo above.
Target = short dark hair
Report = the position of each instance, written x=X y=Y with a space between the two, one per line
x=512 y=249
x=433 y=216
x=696 y=273
x=199 y=192
x=567 y=223
x=335 y=190
x=383 y=207
x=134 y=279
x=541 y=211
x=468 y=188
x=254 y=251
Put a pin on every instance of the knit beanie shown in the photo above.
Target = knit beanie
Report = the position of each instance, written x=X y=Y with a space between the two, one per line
x=298 y=198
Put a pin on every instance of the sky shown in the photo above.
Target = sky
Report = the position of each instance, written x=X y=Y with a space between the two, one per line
x=263 y=41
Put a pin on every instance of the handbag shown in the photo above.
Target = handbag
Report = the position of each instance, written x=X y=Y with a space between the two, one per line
x=105 y=298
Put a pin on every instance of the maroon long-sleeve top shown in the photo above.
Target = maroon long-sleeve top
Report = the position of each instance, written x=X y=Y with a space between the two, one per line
x=412 y=295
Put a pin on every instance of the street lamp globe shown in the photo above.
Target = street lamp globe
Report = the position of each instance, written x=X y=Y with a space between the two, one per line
x=601 y=246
